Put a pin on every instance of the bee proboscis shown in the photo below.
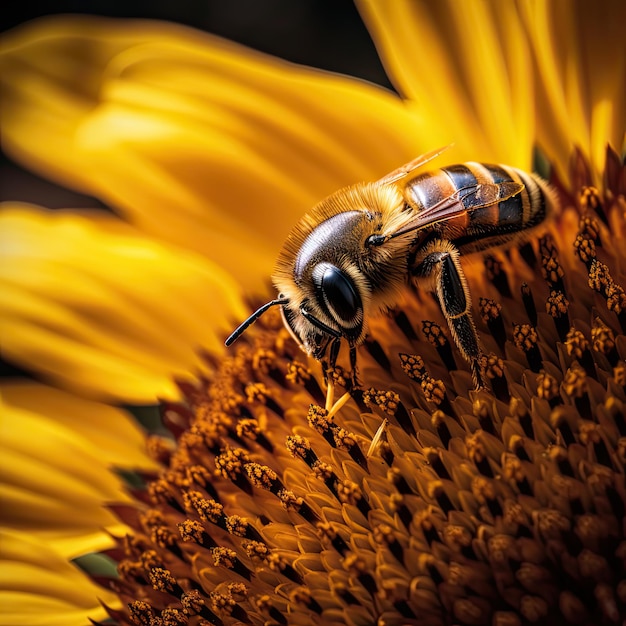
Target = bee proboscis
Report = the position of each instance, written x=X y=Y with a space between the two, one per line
x=352 y=255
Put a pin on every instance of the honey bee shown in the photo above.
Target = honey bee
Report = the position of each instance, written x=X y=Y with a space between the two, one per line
x=351 y=256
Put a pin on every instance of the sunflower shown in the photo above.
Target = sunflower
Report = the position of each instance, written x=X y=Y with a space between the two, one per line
x=248 y=502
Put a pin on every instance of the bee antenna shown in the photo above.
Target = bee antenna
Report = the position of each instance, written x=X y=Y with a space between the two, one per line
x=253 y=318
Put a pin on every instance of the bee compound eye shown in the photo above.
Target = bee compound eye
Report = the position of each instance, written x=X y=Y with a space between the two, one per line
x=340 y=296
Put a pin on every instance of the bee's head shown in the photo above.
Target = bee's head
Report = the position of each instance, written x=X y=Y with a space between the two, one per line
x=327 y=305
x=322 y=300
x=332 y=272
x=312 y=334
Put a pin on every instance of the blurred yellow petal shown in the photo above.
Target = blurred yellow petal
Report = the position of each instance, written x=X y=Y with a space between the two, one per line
x=69 y=81
x=466 y=67
x=39 y=587
x=200 y=141
x=58 y=456
x=97 y=308
x=580 y=51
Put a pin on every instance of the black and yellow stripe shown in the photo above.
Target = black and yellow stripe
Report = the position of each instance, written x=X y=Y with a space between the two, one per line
x=480 y=227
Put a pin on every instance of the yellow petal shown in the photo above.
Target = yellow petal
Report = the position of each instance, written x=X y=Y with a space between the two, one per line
x=39 y=587
x=57 y=462
x=580 y=52
x=466 y=67
x=200 y=141
x=95 y=307
x=507 y=75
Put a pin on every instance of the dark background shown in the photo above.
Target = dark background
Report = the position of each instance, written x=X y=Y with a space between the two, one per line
x=325 y=33
x=328 y=34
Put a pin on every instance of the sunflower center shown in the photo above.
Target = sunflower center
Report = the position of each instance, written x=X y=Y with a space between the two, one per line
x=420 y=501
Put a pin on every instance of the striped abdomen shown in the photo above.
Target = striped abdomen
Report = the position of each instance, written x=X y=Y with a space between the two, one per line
x=479 y=226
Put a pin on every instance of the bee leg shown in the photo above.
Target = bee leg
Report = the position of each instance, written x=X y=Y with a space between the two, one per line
x=440 y=262
x=329 y=370
x=354 y=374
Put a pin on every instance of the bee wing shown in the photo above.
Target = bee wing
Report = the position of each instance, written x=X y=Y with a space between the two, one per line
x=466 y=199
x=401 y=172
